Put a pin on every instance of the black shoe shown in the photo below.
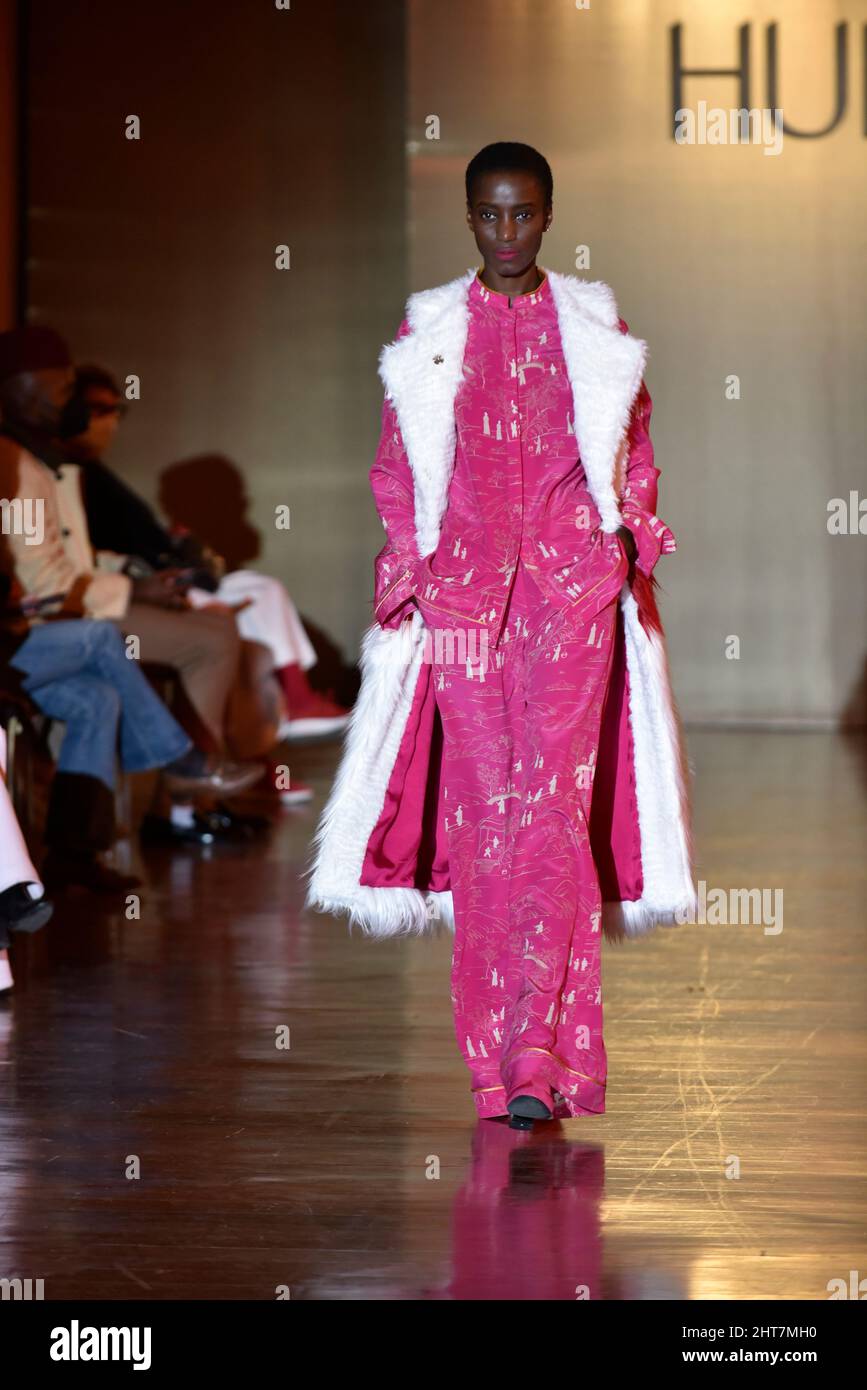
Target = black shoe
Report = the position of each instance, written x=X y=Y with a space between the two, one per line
x=255 y=823
x=232 y=825
x=159 y=830
x=525 y=1109
x=21 y=913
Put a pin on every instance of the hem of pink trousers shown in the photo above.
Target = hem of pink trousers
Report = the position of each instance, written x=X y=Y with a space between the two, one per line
x=587 y=1099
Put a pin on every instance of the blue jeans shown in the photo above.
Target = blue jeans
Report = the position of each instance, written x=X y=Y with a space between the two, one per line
x=77 y=670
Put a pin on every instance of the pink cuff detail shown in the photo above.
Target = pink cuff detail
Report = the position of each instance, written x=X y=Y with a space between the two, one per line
x=652 y=537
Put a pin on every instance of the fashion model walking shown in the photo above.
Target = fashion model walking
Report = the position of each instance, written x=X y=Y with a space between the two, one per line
x=514 y=764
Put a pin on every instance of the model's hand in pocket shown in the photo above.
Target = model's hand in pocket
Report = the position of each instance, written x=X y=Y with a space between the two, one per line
x=627 y=539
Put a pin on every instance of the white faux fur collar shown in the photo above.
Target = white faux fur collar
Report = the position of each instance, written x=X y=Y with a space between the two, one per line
x=422 y=371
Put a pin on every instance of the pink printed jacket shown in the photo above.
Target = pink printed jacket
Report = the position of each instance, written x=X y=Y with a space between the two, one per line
x=492 y=498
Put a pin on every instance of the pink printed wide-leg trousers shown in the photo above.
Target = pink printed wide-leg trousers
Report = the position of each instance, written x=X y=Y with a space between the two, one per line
x=519 y=753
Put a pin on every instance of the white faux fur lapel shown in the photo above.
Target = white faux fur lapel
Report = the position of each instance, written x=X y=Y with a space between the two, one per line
x=605 y=369
x=422 y=371
x=421 y=374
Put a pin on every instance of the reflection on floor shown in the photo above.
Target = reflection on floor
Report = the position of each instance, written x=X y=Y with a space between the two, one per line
x=350 y=1165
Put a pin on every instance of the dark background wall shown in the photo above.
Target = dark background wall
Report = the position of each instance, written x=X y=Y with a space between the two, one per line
x=9 y=193
x=259 y=127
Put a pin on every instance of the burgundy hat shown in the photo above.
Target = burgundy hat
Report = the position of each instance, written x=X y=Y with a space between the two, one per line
x=29 y=348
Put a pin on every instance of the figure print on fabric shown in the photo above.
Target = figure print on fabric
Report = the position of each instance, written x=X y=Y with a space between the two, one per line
x=518 y=759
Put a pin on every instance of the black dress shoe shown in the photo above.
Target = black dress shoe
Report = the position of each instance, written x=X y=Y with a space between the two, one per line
x=231 y=825
x=257 y=824
x=525 y=1109
x=21 y=913
x=158 y=830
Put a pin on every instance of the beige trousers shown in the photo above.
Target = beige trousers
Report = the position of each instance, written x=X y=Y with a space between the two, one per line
x=202 y=645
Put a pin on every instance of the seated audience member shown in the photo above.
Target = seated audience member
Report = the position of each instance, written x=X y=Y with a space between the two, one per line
x=63 y=624
x=121 y=521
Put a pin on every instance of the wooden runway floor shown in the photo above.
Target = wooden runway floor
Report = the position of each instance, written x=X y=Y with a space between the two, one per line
x=350 y=1165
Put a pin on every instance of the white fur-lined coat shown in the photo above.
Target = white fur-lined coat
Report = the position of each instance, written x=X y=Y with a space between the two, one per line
x=605 y=368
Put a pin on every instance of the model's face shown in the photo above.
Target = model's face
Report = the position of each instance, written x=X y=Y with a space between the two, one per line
x=508 y=217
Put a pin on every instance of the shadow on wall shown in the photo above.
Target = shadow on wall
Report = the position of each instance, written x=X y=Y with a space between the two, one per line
x=207 y=495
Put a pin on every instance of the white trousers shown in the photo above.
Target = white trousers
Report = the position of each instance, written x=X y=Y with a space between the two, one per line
x=15 y=862
x=270 y=618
